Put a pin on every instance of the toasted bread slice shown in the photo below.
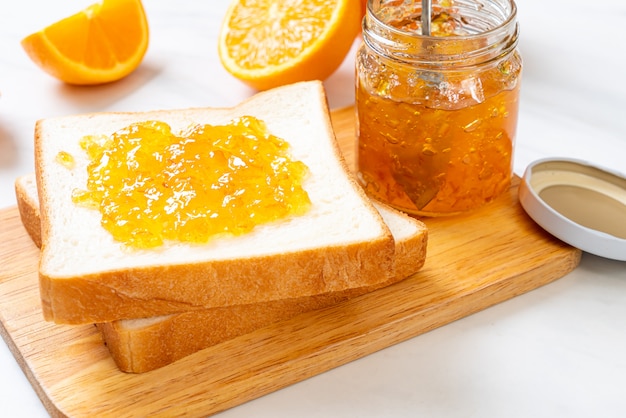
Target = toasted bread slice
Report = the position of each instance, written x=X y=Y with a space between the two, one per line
x=86 y=276
x=140 y=345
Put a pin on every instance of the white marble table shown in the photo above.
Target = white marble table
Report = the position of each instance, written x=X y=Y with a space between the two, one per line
x=557 y=351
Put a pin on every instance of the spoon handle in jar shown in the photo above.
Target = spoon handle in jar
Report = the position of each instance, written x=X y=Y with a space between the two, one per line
x=426 y=11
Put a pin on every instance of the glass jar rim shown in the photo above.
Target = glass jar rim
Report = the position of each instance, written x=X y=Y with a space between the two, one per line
x=511 y=18
x=456 y=51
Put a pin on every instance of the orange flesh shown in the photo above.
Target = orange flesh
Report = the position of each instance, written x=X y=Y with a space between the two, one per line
x=259 y=46
x=425 y=153
x=113 y=28
x=152 y=185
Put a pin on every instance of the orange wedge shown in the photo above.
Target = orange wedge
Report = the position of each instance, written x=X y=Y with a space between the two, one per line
x=102 y=43
x=268 y=43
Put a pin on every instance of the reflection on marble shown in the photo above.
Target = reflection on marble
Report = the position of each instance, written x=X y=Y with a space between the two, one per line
x=556 y=351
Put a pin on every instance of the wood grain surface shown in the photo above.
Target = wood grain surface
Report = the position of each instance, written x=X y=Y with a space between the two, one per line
x=474 y=261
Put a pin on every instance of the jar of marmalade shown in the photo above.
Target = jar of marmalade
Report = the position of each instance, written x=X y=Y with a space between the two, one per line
x=437 y=113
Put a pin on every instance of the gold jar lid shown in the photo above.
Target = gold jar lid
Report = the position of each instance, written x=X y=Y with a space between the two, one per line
x=579 y=203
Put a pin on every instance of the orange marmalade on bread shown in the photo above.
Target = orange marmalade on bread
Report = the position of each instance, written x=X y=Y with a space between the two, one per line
x=152 y=185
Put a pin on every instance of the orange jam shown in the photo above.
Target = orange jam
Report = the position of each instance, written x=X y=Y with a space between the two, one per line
x=436 y=119
x=151 y=184
x=65 y=159
x=433 y=161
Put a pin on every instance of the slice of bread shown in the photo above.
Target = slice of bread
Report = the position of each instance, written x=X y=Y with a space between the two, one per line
x=86 y=276
x=140 y=345
x=28 y=206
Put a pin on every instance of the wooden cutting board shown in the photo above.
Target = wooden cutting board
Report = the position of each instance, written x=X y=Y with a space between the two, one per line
x=474 y=261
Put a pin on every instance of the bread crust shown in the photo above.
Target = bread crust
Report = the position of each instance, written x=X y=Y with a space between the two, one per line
x=28 y=207
x=170 y=338
x=160 y=290
x=179 y=335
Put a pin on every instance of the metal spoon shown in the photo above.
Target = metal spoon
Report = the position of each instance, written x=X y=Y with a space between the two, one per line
x=426 y=11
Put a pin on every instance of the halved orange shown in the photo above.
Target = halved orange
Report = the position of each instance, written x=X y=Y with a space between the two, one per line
x=267 y=43
x=102 y=43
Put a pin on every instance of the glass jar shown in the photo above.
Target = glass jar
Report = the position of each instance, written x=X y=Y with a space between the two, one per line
x=437 y=114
